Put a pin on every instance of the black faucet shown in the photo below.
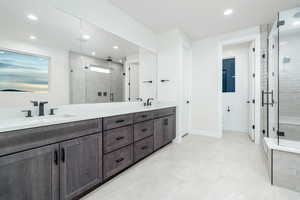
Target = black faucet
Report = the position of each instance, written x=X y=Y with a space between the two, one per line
x=149 y=101
x=42 y=108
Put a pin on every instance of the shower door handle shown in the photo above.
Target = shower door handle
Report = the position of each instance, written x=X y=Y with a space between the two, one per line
x=263 y=93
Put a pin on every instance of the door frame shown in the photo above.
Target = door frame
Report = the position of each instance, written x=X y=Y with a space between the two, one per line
x=236 y=38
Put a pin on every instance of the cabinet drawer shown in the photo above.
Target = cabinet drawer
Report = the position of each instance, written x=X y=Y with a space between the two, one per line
x=143 y=116
x=164 y=112
x=20 y=140
x=143 y=130
x=117 y=161
x=143 y=148
x=117 y=121
x=117 y=138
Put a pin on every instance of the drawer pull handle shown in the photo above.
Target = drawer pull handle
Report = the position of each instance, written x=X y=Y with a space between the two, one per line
x=56 y=157
x=144 y=147
x=120 y=138
x=63 y=155
x=166 y=122
x=144 y=130
x=144 y=116
x=119 y=160
x=120 y=121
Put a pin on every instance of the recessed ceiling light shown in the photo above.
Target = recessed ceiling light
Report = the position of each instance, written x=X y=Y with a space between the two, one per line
x=296 y=23
x=93 y=53
x=228 y=12
x=32 y=17
x=116 y=47
x=32 y=37
x=86 y=37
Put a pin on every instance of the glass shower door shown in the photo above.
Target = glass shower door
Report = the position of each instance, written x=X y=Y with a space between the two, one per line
x=271 y=96
x=289 y=77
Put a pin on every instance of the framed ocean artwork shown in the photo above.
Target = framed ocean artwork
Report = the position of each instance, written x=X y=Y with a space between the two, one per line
x=21 y=72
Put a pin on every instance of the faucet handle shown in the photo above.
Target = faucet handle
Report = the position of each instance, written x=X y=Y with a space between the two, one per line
x=28 y=113
x=35 y=103
x=52 y=111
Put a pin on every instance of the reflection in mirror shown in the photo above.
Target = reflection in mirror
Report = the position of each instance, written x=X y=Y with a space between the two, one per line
x=35 y=42
x=98 y=72
x=48 y=55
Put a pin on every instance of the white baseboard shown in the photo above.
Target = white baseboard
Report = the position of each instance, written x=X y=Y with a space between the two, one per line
x=215 y=134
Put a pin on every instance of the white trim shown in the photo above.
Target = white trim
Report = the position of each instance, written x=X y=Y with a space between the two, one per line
x=247 y=35
x=214 y=134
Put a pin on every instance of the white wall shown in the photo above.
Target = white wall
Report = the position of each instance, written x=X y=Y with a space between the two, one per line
x=205 y=103
x=105 y=15
x=171 y=66
x=58 y=76
x=206 y=106
x=147 y=72
x=168 y=66
x=238 y=117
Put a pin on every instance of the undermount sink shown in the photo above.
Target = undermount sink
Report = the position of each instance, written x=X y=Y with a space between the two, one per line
x=23 y=122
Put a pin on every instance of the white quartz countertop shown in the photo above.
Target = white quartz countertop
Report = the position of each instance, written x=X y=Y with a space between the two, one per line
x=74 y=113
x=284 y=145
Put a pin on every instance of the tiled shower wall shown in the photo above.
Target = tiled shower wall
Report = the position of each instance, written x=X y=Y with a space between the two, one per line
x=289 y=76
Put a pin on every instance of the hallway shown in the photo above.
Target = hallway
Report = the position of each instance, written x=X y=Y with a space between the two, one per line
x=200 y=168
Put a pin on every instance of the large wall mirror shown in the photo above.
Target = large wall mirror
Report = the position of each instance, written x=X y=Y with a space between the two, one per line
x=47 y=54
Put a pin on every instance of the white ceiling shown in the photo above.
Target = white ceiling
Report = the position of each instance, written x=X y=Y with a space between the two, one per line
x=57 y=29
x=201 y=18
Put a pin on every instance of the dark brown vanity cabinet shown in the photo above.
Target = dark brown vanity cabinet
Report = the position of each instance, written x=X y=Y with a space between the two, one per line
x=64 y=161
x=164 y=131
x=32 y=174
x=80 y=165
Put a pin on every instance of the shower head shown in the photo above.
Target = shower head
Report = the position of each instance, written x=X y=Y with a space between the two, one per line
x=297 y=15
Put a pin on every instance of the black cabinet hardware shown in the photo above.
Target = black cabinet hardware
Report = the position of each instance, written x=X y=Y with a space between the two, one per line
x=56 y=157
x=147 y=81
x=63 y=155
x=144 y=130
x=164 y=80
x=120 y=121
x=144 y=147
x=120 y=138
x=119 y=160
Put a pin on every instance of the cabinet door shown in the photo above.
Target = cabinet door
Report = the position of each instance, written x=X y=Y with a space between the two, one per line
x=169 y=128
x=81 y=165
x=158 y=133
x=164 y=131
x=32 y=174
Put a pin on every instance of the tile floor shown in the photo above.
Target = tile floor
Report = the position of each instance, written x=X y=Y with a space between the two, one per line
x=200 y=168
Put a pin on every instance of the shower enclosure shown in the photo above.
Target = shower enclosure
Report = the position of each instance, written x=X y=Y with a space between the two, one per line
x=282 y=97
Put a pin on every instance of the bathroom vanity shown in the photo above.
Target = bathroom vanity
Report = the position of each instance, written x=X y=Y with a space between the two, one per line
x=67 y=160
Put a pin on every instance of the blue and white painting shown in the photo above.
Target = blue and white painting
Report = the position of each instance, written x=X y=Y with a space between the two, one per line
x=23 y=73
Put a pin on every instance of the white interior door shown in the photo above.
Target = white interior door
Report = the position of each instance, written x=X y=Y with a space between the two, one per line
x=186 y=90
x=133 y=82
x=236 y=84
